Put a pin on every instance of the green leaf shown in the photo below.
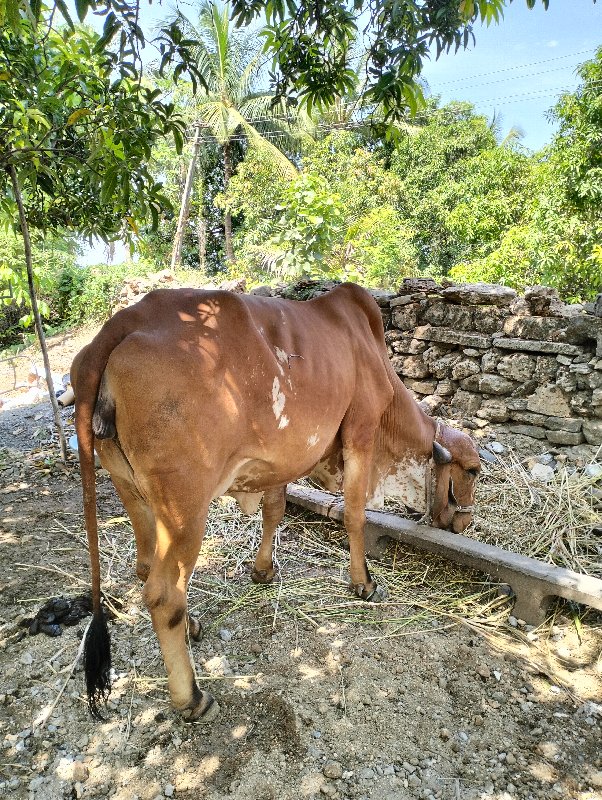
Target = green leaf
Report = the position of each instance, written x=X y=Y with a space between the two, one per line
x=81 y=7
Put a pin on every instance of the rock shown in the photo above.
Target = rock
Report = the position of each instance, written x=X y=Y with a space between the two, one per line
x=527 y=345
x=431 y=403
x=402 y=300
x=546 y=368
x=496 y=447
x=26 y=658
x=449 y=316
x=564 y=437
x=518 y=367
x=413 y=285
x=421 y=387
x=528 y=430
x=496 y=384
x=413 y=367
x=488 y=319
x=550 y=329
x=333 y=770
x=593 y=471
x=494 y=410
x=476 y=294
x=237 y=285
x=168 y=790
x=80 y=773
x=464 y=368
x=543 y=300
x=451 y=336
x=405 y=317
x=466 y=402
x=445 y=388
x=542 y=472
x=549 y=400
x=262 y=291
x=563 y=424
x=592 y=430
x=485 y=455
x=529 y=417
x=225 y=635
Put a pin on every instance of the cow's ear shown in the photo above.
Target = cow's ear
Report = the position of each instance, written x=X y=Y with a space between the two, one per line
x=441 y=455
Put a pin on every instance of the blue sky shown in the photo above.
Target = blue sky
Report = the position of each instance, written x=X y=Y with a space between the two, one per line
x=519 y=67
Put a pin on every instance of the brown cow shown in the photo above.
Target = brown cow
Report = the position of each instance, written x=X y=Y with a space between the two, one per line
x=194 y=394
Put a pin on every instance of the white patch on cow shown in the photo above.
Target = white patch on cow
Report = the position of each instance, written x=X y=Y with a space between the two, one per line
x=281 y=356
x=283 y=422
x=313 y=440
x=278 y=399
x=406 y=482
x=328 y=476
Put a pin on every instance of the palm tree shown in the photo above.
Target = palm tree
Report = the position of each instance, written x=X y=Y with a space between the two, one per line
x=230 y=107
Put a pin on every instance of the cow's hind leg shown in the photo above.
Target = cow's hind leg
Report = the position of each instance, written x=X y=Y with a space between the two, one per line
x=273 y=507
x=180 y=528
x=145 y=533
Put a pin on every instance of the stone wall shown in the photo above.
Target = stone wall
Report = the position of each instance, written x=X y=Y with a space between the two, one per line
x=480 y=353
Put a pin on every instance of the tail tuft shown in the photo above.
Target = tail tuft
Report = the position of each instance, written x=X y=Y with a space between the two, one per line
x=97 y=663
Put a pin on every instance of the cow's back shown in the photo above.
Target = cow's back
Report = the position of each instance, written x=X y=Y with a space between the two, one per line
x=240 y=385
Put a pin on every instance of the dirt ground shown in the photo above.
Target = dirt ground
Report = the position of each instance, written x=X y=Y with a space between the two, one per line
x=438 y=693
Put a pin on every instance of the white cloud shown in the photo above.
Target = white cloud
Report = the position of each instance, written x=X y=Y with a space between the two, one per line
x=553 y=43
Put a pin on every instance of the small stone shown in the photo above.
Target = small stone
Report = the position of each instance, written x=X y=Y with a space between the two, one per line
x=444 y=734
x=484 y=671
x=593 y=471
x=542 y=472
x=81 y=772
x=333 y=770
x=168 y=790
x=225 y=635
x=513 y=621
x=496 y=447
x=26 y=658
x=367 y=774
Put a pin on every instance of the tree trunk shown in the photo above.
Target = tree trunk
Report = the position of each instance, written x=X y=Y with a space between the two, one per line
x=201 y=233
x=176 y=253
x=227 y=215
x=36 y=312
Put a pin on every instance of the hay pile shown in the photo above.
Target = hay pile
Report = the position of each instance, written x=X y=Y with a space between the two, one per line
x=557 y=522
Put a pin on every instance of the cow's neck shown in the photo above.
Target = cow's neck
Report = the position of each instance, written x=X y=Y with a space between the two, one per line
x=403 y=450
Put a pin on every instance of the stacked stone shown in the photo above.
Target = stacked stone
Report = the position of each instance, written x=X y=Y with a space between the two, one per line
x=531 y=363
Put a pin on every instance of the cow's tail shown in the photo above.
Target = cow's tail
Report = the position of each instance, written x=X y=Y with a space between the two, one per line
x=89 y=367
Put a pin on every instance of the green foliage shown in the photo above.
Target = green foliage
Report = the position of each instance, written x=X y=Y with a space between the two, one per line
x=379 y=250
x=62 y=107
x=89 y=294
x=50 y=257
x=515 y=262
x=306 y=229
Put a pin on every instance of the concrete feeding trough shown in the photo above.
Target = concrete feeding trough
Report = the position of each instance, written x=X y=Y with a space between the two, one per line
x=533 y=582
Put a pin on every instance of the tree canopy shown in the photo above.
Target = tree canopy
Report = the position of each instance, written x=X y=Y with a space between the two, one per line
x=313 y=43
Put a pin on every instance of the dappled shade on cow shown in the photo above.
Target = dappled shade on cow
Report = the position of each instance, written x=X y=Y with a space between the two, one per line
x=191 y=394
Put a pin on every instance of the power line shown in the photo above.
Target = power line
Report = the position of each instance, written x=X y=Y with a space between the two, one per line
x=517 y=66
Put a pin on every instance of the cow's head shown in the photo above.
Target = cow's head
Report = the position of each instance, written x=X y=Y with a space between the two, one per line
x=455 y=469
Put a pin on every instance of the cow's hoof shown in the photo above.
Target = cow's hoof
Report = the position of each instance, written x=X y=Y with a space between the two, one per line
x=206 y=710
x=195 y=629
x=374 y=594
x=262 y=575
